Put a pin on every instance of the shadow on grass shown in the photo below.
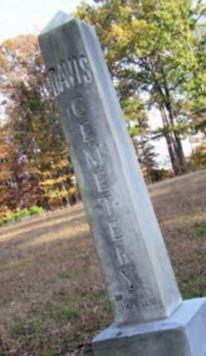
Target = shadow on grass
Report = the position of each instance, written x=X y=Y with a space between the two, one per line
x=39 y=242
x=35 y=230
x=38 y=222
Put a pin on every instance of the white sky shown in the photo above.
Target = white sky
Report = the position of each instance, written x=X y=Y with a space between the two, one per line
x=28 y=16
x=160 y=145
x=31 y=16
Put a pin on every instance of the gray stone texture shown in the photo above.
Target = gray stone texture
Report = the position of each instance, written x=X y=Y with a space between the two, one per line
x=182 y=334
x=139 y=277
x=150 y=317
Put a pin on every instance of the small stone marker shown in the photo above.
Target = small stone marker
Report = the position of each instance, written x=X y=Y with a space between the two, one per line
x=150 y=317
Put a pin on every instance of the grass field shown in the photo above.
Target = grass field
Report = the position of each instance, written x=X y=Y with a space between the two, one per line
x=52 y=298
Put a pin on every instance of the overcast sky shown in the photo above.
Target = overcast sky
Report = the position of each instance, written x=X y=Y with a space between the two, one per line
x=28 y=16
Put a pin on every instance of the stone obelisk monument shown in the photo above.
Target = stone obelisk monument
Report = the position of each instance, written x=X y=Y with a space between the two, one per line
x=150 y=318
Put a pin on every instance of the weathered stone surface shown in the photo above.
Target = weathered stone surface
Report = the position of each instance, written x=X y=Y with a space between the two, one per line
x=138 y=273
x=182 y=334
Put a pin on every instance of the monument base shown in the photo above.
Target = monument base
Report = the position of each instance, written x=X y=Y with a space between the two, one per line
x=182 y=334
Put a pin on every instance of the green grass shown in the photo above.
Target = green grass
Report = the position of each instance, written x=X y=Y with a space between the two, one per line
x=66 y=314
x=25 y=331
x=201 y=230
x=18 y=215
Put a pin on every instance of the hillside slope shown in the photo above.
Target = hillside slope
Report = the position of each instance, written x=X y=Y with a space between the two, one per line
x=51 y=288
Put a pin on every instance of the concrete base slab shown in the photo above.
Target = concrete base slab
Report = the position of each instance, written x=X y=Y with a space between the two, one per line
x=182 y=334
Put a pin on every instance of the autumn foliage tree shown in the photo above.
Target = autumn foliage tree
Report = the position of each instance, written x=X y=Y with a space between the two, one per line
x=33 y=127
x=155 y=51
x=7 y=181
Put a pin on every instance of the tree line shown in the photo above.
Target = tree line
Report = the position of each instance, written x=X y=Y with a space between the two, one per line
x=155 y=51
x=34 y=159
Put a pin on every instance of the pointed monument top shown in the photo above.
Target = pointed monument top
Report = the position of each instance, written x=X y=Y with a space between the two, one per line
x=59 y=19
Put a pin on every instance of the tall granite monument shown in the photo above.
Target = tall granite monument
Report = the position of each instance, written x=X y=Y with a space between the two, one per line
x=150 y=317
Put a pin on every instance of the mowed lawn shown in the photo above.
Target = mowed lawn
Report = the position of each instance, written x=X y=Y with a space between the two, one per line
x=52 y=299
